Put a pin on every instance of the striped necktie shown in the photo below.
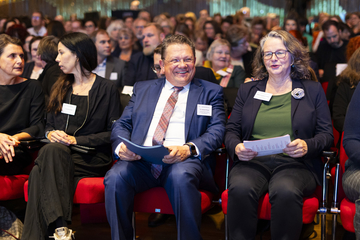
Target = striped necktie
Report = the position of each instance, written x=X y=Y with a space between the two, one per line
x=160 y=131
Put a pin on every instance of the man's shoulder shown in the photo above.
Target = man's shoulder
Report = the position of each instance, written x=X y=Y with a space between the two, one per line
x=115 y=60
x=206 y=84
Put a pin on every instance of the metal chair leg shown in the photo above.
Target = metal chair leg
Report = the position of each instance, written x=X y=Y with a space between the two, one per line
x=133 y=225
x=226 y=228
x=335 y=205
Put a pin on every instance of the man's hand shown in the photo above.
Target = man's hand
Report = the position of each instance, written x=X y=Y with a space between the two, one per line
x=61 y=137
x=127 y=155
x=243 y=153
x=177 y=154
x=296 y=148
x=7 y=144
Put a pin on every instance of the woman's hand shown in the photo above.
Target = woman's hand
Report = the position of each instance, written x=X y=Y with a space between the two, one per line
x=7 y=144
x=243 y=153
x=61 y=137
x=296 y=149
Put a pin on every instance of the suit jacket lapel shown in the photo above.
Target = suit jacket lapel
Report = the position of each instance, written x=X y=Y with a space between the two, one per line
x=295 y=102
x=195 y=91
x=109 y=67
x=151 y=99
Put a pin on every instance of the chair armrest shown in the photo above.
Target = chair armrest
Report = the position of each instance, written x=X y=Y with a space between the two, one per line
x=34 y=144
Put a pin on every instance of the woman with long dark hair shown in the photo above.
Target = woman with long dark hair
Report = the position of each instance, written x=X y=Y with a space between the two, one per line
x=81 y=110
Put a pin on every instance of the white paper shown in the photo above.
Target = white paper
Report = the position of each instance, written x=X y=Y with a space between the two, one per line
x=68 y=109
x=268 y=146
x=114 y=76
x=340 y=67
x=263 y=96
x=229 y=70
x=222 y=73
x=204 y=110
x=128 y=90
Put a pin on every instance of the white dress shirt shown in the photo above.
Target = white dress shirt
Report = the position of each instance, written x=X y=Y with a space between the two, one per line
x=100 y=69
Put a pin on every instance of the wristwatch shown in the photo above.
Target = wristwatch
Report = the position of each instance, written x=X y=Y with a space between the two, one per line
x=192 y=149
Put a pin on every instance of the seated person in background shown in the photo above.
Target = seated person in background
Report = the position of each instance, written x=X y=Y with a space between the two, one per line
x=297 y=107
x=113 y=30
x=225 y=73
x=108 y=67
x=90 y=26
x=332 y=49
x=351 y=142
x=258 y=30
x=201 y=47
x=47 y=51
x=81 y=111
x=21 y=108
x=187 y=165
x=347 y=82
x=241 y=52
x=34 y=68
x=126 y=44
x=140 y=64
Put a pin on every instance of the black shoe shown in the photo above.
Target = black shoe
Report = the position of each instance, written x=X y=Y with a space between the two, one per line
x=157 y=219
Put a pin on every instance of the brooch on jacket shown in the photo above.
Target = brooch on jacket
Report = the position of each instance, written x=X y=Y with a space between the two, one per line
x=298 y=93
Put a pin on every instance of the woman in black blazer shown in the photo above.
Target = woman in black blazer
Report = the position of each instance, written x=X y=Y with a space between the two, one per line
x=81 y=110
x=297 y=107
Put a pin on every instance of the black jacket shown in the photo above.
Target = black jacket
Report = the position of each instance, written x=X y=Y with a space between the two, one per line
x=104 y=109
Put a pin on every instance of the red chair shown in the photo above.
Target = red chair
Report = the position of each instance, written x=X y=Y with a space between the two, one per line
x=310 y=204
x=12 y=187
x=155 y=200
x=347 y=208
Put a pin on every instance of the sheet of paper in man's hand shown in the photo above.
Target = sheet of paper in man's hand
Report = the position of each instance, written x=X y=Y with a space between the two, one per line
x=268 y=146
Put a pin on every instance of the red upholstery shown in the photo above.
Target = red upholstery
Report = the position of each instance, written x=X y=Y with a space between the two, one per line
x=310 y=207
x=347 y=213
x=347 y=208
x=12 y=186
x=90 y=190
x=155 y=200
x=325 y=86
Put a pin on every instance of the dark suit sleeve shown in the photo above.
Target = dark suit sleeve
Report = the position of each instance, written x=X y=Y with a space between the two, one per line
x=323 y=137
x=233 y=134
x=214 y=134
x=352 y=128
x=340 y=106
x=123 y=126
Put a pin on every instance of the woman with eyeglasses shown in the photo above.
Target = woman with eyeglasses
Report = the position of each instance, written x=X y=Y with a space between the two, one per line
x=285 y=100
x=126 y=45
x=226 y=74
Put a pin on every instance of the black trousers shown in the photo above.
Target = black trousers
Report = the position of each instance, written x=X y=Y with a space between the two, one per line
x=52 y=185
x=21 y=160
x=287 y=181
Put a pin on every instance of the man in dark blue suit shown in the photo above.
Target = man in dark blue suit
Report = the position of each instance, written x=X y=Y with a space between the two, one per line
x=195 y=130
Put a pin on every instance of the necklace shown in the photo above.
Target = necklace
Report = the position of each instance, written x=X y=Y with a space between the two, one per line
x=84 y=88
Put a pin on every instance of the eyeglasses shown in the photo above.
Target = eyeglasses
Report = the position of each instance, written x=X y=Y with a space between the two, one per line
x=156 y=68
x=36 y=18
x=279 y=54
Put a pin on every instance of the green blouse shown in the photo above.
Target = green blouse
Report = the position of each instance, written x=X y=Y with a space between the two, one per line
x=274 y=118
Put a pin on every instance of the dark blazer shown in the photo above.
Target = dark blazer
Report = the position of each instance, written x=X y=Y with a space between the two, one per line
x=28 y=68
x=118 y=66
x=49 y=76
x=205 y=132
x=248 y=59
x=310 y=118
x=139 y=69
x=103 y=111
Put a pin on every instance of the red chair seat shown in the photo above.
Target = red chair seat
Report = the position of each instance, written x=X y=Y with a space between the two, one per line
x=310 y=207
x=90 y=190
x=155 y=200
x=12 y=187
x=347 y=213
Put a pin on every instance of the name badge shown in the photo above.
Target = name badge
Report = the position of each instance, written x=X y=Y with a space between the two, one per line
x=229 y=70
x=263 y=96
x=127 y=90
x=204 y=110
x=222 y=73
x=114 y=76
x=68 y=109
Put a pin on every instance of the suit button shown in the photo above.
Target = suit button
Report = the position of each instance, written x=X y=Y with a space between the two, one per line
x=296 y=132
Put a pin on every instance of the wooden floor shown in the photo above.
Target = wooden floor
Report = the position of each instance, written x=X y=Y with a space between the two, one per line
x=212 y=228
